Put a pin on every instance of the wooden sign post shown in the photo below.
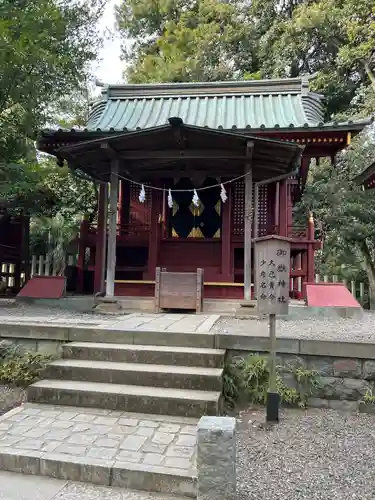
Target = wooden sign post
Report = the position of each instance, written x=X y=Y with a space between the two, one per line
x=272 y=265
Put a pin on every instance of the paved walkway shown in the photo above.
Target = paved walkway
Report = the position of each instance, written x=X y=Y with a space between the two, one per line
x=171 y=322
x=165 y=322
x=158 y=444
x=21 y=487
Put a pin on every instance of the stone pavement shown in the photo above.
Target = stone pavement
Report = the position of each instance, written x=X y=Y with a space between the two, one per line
x=100 y=446
x=170 y=322
x=15 y=486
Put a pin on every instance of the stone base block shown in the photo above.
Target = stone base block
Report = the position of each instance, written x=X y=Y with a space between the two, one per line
x=108 y=306
x=248 y=304
x=366 y=407
x=216 y=458
x=334 y=404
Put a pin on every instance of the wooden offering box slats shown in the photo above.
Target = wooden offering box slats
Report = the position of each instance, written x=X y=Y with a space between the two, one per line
x=178 y=290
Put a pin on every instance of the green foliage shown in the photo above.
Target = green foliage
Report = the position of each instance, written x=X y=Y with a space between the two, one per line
x=23 y=370
x=344 y=213
x=47 y=46
x=8 y=350
x=53 y=237
x=231 y=384
x=208 y=40
x=56 y=220
x=254 y=375
x=44 y=189
x=248 y=379
x=307 y=383
x=175 y=40
x=369 y=397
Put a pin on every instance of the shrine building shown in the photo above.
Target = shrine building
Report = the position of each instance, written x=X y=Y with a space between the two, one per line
x=244 y=147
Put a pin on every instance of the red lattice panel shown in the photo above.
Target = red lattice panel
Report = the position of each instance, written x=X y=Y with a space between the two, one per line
x=263 y=211
x=140 y=213
x=239 y=208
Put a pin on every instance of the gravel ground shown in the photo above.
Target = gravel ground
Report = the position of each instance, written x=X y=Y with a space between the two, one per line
x=312 y=454
x=350 y=330
x=10 y=310
x=356 y=330
x=10 y=397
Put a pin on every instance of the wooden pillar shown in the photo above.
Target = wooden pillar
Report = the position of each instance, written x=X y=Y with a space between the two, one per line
x=296 y=267
x=101 y=240
x=17 y=276
x=304 y=269
x=112 y=230
x=124 y=202
x=154 y=234
x=283 y=209
x=26 y=247
x=226 y=238
x=81 y=254
x=277 y=208
x=289 y=209
x=248 y=222
x=256 y=225
x=270 y=216
x=310 y=250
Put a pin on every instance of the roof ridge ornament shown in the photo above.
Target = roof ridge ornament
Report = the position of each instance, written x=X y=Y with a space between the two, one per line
x=175 y=121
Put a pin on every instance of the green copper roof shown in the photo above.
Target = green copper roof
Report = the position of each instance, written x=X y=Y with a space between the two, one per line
x=258 y=104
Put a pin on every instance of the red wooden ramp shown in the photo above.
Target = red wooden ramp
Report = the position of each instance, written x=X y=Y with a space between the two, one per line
x=329 y=295
x=44 y=287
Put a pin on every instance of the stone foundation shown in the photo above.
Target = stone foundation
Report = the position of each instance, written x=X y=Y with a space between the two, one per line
x=344 y=378
x=347 y=369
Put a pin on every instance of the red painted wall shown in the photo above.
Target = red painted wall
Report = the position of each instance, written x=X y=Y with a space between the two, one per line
x=189 y=254
x=148 y=290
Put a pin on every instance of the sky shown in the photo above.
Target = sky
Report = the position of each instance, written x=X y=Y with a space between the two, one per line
x=109 y=69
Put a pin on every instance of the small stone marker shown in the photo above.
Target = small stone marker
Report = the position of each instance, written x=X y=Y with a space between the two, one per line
x=216 y=458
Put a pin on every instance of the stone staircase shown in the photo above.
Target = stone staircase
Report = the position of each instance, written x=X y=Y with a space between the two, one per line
x=170 y=378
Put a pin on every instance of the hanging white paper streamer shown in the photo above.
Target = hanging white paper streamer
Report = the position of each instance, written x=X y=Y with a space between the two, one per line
x=142 y=194
x=170 y=200
x=223 y=194
x=195 y=199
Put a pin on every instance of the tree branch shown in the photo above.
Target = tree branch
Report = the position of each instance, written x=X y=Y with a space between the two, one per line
x=370 y=74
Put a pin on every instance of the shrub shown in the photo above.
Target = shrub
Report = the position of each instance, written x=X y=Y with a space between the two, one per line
x=249 y=378
x=23 y=369
x=8 y=350
x=369 y=397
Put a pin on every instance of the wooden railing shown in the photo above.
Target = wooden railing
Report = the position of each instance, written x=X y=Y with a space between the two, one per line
x=138 y=231
x=42 y=265
x=132 y=230
x=294 y=231
x=126 y=230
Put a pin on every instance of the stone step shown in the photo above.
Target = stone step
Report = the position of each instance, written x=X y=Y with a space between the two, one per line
x=178 y=377
x=119 y=449
x=143 y=337
x=133 y=353
x=148 y=479
x=132 y=398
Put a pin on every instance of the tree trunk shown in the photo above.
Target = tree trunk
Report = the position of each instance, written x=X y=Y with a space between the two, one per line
x=370 y=74
x=369 y=267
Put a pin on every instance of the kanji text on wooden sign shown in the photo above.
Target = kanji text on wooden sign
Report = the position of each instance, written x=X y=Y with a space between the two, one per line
x=272 y=263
